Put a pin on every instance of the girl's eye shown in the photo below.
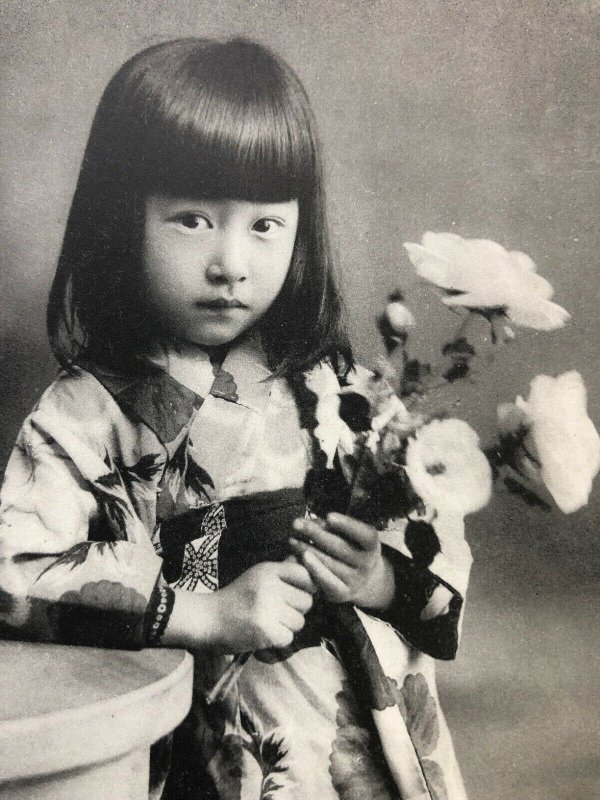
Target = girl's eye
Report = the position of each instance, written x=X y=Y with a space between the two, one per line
x=192 y=222
x=266 y=225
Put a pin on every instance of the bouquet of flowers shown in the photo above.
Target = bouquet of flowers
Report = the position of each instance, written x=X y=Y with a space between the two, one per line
x=407 y=467
x=414 y=464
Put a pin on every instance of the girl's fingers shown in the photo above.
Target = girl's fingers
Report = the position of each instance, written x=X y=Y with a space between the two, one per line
x=326 y=541
x=292 y=619
x=358 y=533
x=298 y=599
x=295 y=574
x=338 y=568
x=329 y=583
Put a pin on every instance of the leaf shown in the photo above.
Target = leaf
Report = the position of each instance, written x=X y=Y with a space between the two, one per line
x=170 y=482
x=199 y=481
x=273 y=753
x=102 y=547
x=355 y=411
x=459 y=347
x=414 y=376
x=422 y=541
x=109 y=481
x=269 y=753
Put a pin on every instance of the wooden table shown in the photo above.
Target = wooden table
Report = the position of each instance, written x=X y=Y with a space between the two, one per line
x=77 y=723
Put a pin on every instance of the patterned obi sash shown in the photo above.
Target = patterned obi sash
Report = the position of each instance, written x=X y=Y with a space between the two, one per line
x=226 y=539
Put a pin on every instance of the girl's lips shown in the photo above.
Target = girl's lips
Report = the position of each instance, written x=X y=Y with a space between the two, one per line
x=220 y=304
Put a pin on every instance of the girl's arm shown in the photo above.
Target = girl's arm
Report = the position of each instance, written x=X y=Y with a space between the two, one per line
x=420 y=593
x=263 y=608
x=76 y=562
x=77 y=565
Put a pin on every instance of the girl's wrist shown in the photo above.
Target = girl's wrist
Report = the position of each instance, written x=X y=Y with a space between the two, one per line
x=378 y=593
x=194 y=621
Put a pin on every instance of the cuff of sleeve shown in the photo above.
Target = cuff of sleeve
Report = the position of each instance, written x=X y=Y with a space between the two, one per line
x=438 y=637
x=158 y=612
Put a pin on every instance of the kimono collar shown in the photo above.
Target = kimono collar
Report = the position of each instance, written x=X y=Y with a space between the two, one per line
x=167 y=405
x=244 y=376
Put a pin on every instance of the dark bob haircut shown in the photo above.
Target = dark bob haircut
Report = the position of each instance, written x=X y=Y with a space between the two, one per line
x=203 y=119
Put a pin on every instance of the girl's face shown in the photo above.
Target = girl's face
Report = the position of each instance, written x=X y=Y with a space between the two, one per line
x=212 y=268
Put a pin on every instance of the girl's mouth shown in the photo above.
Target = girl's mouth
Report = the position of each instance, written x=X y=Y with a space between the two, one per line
x=220 y=303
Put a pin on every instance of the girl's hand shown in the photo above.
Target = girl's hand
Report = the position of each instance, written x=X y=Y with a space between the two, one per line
x=344 y=559
x=264 y=607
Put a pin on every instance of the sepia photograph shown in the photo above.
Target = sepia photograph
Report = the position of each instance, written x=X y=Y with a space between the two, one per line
x=300 y=398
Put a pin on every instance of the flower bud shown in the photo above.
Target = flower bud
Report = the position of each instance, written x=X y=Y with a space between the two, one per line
x=399 y=317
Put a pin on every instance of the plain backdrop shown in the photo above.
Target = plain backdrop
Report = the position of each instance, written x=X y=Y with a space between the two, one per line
x=475 y=117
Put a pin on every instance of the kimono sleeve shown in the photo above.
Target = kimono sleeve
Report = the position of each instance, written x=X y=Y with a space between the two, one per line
x=432 y=562
x=77 y=565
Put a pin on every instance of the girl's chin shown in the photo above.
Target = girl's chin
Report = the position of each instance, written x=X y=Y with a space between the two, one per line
x=214 y=338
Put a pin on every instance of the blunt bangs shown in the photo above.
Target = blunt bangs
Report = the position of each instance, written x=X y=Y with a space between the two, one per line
x=218 y=120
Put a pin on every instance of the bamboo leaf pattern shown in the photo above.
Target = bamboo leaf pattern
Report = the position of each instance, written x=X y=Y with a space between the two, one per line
x=112 y=478
x=77 y=555
x=116 y=511
x=198 y=480
x=145 y=469
x=270 y=753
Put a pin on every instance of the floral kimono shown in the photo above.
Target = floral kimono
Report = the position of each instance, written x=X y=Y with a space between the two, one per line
x=182 y=475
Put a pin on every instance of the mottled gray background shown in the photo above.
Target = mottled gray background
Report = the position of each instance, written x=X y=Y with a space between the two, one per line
x=477 y=117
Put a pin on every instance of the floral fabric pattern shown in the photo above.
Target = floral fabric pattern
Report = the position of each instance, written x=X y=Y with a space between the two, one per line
x=358 y=769
x=118 y=488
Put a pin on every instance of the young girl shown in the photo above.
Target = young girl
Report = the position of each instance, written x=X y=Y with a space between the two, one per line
x=165 y=489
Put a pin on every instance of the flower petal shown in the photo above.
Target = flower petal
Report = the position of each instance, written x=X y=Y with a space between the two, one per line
x=487 y=276
x=542 y=316
x=563 y=438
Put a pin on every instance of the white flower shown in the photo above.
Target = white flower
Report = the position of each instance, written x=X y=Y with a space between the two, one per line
x=487 y=276
x=562 y=438
x=331 y=430
x=446 y=467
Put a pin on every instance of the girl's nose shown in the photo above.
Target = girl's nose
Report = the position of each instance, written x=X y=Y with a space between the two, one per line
x=227 y=265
